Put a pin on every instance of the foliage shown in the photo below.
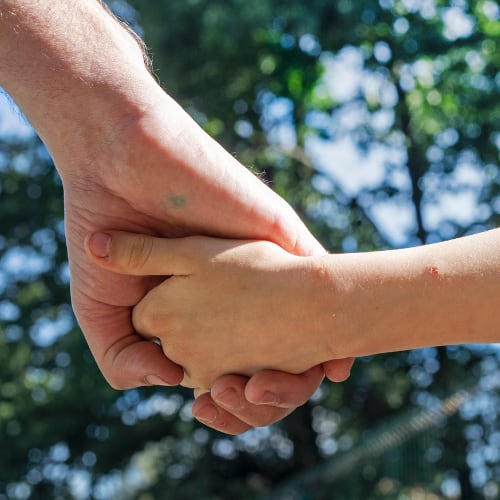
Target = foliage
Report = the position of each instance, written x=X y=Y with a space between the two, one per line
x=378 y=121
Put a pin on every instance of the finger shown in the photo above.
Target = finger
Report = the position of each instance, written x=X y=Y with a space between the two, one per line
x=210 y=414
x=140 y=254
x=125 y=359
x=281 y=389
x=228 y=392
x=199 y=392
x=187 y=382
x=135 y=362
x=338 y=370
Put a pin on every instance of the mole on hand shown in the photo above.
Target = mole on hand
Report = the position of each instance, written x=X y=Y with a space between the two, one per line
x=177 y=201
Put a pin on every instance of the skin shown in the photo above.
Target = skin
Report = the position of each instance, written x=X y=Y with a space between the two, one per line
x=130 y=158
x=234 y=306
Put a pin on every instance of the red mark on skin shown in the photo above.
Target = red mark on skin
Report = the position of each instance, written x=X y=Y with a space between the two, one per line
x=433 y=271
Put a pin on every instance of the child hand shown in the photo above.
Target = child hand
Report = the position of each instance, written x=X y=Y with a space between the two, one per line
x=229 y=306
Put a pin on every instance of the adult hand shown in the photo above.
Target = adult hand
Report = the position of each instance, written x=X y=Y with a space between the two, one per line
x=150 y=186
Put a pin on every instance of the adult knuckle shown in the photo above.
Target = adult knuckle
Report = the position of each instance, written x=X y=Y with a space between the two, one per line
x=118 y=384
x=112 y=362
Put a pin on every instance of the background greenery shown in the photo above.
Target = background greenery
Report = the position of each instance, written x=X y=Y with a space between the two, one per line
x=412 y=88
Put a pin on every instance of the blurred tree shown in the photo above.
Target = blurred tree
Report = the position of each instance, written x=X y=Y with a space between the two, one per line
x=378 y=121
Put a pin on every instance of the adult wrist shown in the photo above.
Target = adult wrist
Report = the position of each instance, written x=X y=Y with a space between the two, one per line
x=92 y=71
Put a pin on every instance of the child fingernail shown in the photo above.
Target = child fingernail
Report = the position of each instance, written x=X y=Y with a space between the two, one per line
x=99 y=244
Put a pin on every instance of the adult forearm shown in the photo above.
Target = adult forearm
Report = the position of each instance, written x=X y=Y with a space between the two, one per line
x=441 y=294
x=68 y=64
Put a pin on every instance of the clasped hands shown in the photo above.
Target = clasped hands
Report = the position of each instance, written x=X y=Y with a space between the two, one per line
x=225 y=306
x=130 y=158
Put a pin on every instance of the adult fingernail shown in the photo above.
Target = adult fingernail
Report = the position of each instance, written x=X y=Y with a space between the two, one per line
x=99 y=244
x=206 y=414
x=155 y=380
x=268 y=398
x=230 y=399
